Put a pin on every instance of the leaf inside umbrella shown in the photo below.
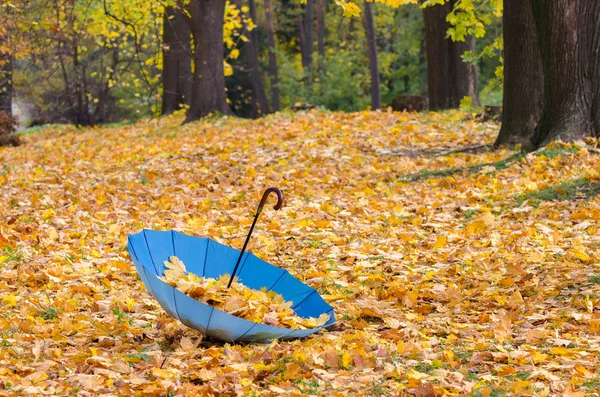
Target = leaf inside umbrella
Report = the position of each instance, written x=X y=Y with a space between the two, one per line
x=261 y=306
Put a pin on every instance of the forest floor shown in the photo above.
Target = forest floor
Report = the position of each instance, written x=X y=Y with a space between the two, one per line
x=453 y=269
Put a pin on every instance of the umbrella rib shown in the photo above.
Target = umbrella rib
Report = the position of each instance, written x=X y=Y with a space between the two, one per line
x=244 y=334
x=150 y=253
x=276 y=281
x=305 y=298
x=289 y=333
x=130 y=246
x=205 y=258
x=209 y=318
x=173 y=242
x=175 y=303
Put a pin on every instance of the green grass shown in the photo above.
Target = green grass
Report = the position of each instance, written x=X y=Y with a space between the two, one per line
x=593 y=384
x=579 y=188
x=50 y=313
x=427 y=174
x=594 y=279
x=557 y=151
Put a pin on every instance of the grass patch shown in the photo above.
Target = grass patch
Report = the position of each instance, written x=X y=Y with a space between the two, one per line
x=594 y=279
x=557 y=151
x=580 y=188
x=500 y=164
x=50 y=313
x=594 y=384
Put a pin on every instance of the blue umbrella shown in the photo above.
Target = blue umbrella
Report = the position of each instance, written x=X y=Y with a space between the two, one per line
x=207 y=258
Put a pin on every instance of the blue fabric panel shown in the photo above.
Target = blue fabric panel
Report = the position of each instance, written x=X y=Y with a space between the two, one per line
x=192 y=251
x=312 y=306
x=160 y=245
x=257 y=273
x=227 y=327
x=220 y=259
x=162 y=292
x=192 y=313
x=291 y=289
x=139 y=248
x=301 y=333
x=264 y=333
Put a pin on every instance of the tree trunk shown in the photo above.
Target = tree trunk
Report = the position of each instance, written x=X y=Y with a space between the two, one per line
x=273 y=76
x=523 y=94
x=321 y=30
x=177 y=61
x=372 y=52
x=6 y=86
x=258 y=89
x=306 y=36
x=569 y=37
x=208 y=87
x=449 y=78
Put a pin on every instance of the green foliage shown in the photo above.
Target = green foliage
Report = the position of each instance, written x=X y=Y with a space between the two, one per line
x=343 y=83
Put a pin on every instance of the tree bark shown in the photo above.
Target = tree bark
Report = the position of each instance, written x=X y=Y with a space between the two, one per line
x=177 y=61
x=569 y=37
x=306 y=35
x=208 y=87
x=321 y=8
x=372 y=52
x=273 y=75
x=258 y=89
x=6 y=86
x=449 y=78
x=523 y=94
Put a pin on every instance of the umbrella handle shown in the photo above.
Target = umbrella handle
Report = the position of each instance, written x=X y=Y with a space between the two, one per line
x=262 y=203
x=263 y=200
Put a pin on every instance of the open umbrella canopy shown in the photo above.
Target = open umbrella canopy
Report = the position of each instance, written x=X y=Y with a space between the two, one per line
x=208 y=258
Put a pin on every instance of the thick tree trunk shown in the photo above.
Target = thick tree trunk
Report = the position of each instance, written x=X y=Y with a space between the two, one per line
x=523 y=95
x=177 y=61
x=372 y=52
x=208 y=87
x=569 y=37
x=6 y=86
x=273 y=75
x=449 y=78
x=258 y=89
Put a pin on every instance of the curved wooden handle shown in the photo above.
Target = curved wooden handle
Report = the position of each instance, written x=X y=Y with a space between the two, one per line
x=263 y=201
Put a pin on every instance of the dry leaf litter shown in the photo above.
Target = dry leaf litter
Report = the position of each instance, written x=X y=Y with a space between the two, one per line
x=472 y=272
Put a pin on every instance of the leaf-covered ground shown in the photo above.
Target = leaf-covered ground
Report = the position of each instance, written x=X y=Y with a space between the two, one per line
x=452 y=272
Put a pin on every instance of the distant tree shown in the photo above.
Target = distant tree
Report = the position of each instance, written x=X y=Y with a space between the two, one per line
x=369 y=24
x=321 y=8
x=305 y=28
x=177 y=60
x=449 y=78
x=273 y=74
x=6 y=85
x=252 y=49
